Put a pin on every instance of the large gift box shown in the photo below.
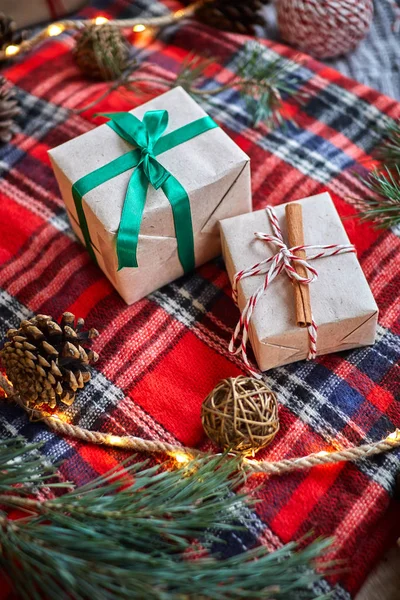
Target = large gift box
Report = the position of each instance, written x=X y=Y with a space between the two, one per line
x=145 y=191
x=343 y=308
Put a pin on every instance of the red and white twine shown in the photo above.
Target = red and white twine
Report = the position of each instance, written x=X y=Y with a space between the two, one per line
x=271 y=267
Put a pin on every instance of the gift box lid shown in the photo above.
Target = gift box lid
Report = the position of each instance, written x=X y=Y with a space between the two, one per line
x=207 y=166
x=340 y=294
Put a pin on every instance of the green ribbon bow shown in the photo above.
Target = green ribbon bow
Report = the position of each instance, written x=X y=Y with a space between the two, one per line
x=148 y=139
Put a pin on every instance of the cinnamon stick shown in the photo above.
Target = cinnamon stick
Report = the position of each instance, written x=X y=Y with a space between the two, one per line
x=294 y=220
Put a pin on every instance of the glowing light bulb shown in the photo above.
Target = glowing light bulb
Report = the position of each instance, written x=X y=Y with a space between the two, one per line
x=55 y=29
x=60 y=417
x=100 y=20
x=11 y=50
x=139 y=27
x=394 y=437
x=181 y=458
x=115 y=440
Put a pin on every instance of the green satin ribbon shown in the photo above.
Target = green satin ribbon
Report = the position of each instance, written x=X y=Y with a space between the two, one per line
x=149 y=141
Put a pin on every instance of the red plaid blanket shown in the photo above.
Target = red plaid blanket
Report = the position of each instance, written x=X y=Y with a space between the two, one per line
x=160 y=357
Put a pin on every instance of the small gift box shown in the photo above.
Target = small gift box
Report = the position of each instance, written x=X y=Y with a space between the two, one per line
x=145 y=191
x=298 y=297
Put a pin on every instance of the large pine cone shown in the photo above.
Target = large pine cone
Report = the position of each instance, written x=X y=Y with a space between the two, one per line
x=9 y=109
x=102 y=51
x=46 y=362
x=239 y=16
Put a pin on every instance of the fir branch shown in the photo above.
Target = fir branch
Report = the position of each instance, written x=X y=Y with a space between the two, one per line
x=192 y=70
x=383 y=206
x=389 y=150
x=261 y=82
x=130 y=534
x=23 y=466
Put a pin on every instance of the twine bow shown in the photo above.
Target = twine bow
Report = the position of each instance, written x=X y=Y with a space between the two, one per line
x=148 y=140
x=271 y=267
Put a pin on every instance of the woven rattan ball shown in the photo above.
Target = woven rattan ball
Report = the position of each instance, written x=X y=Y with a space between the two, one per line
x=241 y=415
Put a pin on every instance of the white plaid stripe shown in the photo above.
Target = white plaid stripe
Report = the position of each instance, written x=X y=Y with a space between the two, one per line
x=334 y=593
x=183 y=301
x=12 y=313
x=61 y=223
x=98 y=397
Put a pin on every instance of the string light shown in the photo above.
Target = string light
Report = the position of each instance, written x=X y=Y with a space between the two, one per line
x=139 y=27
x=11 y=50
x=55 y=29
x=394 y=437
x=181 y=458
x=100 y=20
x=60 y=417
x=115 y=440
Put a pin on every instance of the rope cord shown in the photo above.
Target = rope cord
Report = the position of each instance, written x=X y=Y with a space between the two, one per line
x=79 y=24
x=280 y=467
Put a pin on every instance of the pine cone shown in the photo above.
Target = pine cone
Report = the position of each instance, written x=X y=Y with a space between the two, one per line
x=9 y=109
x=8 y=33
x=102 y=52
x=45 y=362
x=239 y=16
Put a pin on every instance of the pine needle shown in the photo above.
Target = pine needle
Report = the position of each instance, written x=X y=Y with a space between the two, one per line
x=192 y=70
x=389 y=150
x=132 y=534
x=264 y=83
x=25 y=468
x=261 y=82
x=383 y=206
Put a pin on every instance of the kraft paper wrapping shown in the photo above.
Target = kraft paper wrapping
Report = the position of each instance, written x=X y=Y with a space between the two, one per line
x=341 y=300
x=212 y=168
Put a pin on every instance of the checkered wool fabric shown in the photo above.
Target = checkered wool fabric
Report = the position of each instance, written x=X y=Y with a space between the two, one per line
x=160 y=357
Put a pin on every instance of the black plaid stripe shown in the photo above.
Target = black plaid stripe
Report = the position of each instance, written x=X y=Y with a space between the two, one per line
x=36 y=119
